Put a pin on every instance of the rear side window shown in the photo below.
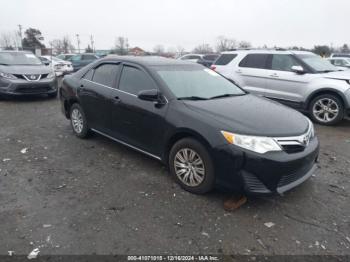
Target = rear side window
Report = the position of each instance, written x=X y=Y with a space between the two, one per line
x=134 y=80
x=225 y=59
x=255 y=61
x=106 y=74
x=190 y=57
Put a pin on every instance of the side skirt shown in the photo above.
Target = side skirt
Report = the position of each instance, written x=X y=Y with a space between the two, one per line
x=126 y=144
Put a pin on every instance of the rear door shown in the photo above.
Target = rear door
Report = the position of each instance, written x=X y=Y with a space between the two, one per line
x=252 y=73
x=282 y=83
x=137 y=122
x=94 y=93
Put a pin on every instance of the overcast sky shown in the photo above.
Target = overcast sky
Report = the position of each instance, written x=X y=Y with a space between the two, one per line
x=188 y=23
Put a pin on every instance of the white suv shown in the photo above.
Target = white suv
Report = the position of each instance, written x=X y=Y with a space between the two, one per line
x=298 y=79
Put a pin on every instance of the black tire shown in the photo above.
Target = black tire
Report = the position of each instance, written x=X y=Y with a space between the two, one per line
x=85 y=130
x=52 y=95
x=207 y=184
x=338 y=103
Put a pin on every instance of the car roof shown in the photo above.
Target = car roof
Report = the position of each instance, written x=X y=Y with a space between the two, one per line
x=147 y=60
x=266 y=51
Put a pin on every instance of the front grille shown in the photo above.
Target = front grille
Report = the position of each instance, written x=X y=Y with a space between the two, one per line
x=290 y=149
x=32 y=90
x=31 y=77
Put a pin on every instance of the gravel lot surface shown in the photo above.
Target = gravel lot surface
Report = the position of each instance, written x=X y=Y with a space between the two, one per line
x=66 y=195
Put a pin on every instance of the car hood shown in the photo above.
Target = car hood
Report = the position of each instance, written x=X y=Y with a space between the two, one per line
x=252 y=115
x=25 y=69
x=343 y=75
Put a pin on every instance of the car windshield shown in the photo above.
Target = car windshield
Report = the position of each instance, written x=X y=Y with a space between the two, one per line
x=19 y=58
x=196 y=83
x=317 y=63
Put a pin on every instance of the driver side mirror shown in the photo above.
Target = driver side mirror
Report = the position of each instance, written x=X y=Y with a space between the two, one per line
x=152 y=95
x=298 y=70
x=47 y=63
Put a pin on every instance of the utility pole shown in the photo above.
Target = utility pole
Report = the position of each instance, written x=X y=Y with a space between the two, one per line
x=20 y=35
x=78 y=41
x=92 y=43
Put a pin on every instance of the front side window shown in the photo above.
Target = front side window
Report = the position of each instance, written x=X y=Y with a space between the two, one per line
x=88 y=74
x=187 y=81
x=106 y=74
x=254 y=61
x=133 y=80
x=283 y=62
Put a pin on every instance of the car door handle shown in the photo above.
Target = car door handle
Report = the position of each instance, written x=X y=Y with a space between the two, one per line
x=239 y=71
x=274 y=75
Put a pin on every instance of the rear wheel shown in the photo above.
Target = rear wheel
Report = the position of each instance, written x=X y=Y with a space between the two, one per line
x=326 y=109
x=191 y=166
x=78 y=121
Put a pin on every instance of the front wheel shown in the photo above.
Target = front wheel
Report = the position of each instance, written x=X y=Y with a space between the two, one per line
x=326 y=109
x=78 y=121
x=191 y=166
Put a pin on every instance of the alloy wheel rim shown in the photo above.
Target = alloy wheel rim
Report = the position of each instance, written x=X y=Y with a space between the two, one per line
x=189 y=167
x=325 y=110
x=77 y=121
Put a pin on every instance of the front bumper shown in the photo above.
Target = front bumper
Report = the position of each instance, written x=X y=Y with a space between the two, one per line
x=264 y=174
x=23 y=87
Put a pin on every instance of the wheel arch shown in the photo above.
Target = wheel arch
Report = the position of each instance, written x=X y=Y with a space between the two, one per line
x=68 y=103
x=180 y=134
x=324 y=91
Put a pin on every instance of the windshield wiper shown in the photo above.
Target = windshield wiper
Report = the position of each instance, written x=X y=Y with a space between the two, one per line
x=3 y=64
x=326 y=71
x=225 y=95
x=192 y=98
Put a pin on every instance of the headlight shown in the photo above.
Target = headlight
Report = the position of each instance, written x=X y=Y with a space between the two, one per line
x=311 y=128
x=51 y=75
x=257 y=144
x=7 y=75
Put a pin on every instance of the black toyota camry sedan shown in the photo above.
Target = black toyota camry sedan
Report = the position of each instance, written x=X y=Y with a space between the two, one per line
x=209 y=132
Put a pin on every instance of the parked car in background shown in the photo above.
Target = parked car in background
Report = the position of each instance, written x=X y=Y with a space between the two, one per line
x=191 y=57
x=60 y=66
x=341 y=55
x=65 y=57
x=206 y=129
x=208 y=60
x=340 y=62
x=81 y=60
x=22 y=73
x=298 y=79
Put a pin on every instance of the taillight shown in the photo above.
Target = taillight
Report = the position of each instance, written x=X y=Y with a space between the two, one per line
x=213 y=67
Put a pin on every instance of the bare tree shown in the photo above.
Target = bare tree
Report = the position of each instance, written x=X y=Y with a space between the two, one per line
x=121 y=45
x=158 y=49
x=244 y=44
x=9 y=41
x=180 y=50
x=203 y=49
x=225 y=44
x=63 y=45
